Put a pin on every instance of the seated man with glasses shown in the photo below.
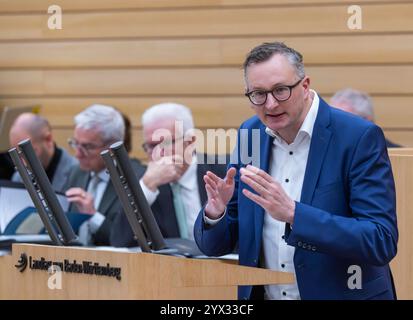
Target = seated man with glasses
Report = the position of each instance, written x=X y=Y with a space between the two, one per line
x=173 y=180
x=56 y=161
x=320 y=203
x=89 y=188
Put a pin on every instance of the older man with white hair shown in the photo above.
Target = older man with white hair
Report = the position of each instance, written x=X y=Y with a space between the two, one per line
x=173 y=180
x=89 y=188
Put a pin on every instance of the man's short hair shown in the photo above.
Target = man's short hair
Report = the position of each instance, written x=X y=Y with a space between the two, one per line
x=360 y=102
x=34 y=124
x=166 y=111
x=266 y=50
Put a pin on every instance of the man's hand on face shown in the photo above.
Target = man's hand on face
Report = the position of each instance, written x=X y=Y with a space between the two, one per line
x=165 y=170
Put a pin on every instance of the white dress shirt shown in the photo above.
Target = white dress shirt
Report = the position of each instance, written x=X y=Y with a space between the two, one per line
x=287 y=166
x=189 y=192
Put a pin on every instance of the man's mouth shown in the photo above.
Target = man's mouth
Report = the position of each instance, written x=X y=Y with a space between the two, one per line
x=275 y=115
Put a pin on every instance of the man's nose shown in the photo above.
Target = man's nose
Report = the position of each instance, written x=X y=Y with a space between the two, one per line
x=271 y=102
x=78 y=153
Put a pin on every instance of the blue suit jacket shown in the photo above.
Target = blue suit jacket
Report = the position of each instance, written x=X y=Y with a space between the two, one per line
x=346 y=215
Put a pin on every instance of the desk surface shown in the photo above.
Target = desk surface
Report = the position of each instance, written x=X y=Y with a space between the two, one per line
x=106 y=274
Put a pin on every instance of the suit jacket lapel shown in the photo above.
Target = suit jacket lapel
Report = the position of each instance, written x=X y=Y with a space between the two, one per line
x=84 y=180
x=164 y=212
x=109 y=197
x=319 y=143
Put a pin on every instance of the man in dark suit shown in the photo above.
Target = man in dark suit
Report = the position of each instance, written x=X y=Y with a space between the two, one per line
x=173 y=180
x=89 y=188
x=320 y=199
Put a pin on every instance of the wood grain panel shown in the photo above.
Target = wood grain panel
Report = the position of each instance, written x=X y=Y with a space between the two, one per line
x=347 y=49
x=136 y=82
x=402 y=137
x=194 y=81
x=401 y=151
x=209 y=22
x=402 y=264
x=80 y=5
x=394 y=112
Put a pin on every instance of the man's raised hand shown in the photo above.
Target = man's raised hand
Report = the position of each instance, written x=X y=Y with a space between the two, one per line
x=219 y=192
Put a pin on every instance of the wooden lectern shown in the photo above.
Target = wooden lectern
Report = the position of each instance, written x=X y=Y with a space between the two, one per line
x=142 y=275
x=402 y=264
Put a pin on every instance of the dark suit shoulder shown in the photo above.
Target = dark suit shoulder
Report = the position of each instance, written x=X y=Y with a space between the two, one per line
x=137 y=167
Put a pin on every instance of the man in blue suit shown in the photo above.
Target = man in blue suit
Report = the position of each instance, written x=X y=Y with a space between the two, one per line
x=319 y=202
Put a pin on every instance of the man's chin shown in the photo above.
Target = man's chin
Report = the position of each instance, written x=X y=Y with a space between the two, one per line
x=275 y=128
x=275 y=125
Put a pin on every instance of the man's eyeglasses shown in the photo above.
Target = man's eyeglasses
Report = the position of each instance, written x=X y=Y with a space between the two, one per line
x=280 y=93
x=148 y=147
x=85 y=148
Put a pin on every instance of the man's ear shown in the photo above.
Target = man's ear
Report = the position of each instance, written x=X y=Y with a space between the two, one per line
x=306 y=86
x=306 y=82
x=49 y=138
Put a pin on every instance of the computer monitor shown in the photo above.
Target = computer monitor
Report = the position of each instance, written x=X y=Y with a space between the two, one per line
x=44 y=198
x=137 y=210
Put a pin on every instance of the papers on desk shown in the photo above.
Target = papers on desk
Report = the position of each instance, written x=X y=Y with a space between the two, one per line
x=14 y=198
x=230 y=256
x=117 y=249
